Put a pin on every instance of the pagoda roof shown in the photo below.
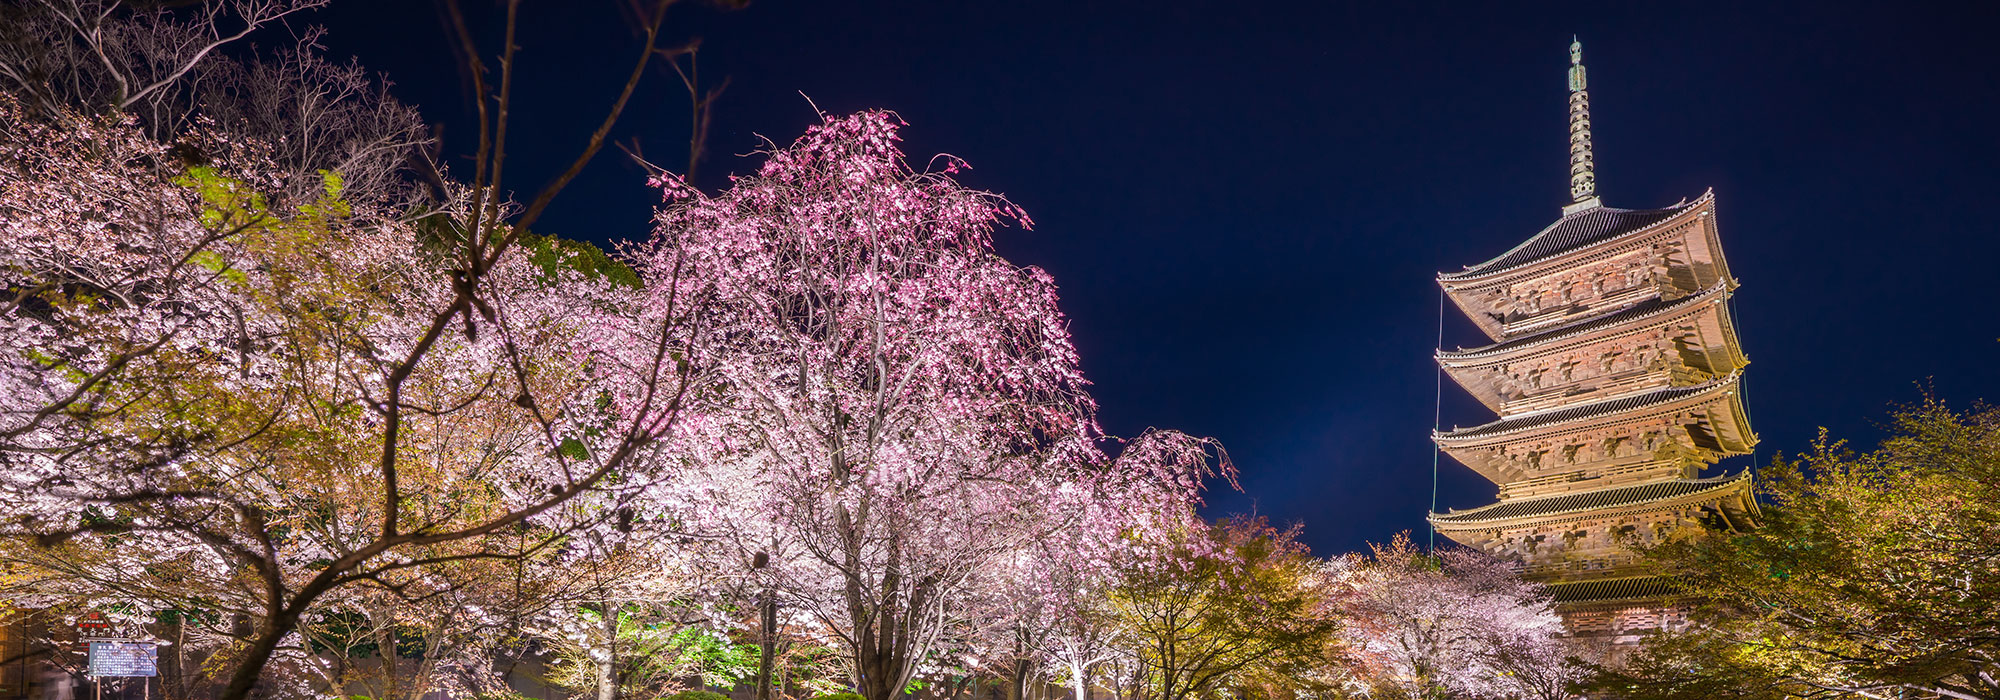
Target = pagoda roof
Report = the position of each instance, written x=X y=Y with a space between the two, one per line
x=1573 y=231
x=1651 y=306
x=1590 y=500
x=1611 y=589
x=1537 y=419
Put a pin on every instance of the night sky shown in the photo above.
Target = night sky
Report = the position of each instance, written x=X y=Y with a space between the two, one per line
x=1245 y=204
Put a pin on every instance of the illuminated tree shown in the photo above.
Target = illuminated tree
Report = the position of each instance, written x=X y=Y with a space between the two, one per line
x=249 y=388
x=1457 y=624
x=1080 y=630
x=267 y=409
x=907 y=411
x=1872 y=575
x=1223 y=608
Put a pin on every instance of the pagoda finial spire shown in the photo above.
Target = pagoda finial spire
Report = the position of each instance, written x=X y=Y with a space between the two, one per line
x=1582 y=168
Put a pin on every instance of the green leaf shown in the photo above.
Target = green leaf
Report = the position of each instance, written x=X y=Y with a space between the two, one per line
x=209 y=260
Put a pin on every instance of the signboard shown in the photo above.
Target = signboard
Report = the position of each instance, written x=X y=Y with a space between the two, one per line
x=124 y=659
x=92 y=621
x=91 y=625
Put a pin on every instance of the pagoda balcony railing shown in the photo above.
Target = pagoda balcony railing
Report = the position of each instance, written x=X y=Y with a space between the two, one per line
x=1596 y=386
x=1563 y=314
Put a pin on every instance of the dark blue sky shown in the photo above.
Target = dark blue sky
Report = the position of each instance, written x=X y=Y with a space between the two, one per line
x=1245 y=204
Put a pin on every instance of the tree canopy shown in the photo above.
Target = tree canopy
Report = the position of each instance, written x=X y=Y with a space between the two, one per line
x=1875 y=574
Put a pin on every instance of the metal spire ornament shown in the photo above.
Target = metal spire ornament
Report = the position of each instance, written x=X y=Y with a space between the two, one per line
x=1582 y=168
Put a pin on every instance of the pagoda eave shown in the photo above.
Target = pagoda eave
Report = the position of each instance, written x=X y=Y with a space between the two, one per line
x=1645 y=314
x=1535 y=287
x=1494 y=374
x=1732 y=496
x=1610 y=410
x=1552 y=248
x=1700 y=424
x=1612 y=592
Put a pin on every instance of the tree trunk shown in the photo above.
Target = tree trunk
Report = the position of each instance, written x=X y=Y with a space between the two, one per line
x=767 y=647
x=181 y=659
x=259 y=653
x=607 y=663
x=878 y=661
x=385 y=646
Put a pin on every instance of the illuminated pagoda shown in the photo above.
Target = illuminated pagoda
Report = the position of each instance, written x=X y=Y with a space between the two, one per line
x=1616 y=374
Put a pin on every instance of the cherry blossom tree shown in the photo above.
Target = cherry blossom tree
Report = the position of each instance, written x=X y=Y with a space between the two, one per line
x=1457 y=624
x=1073 y=618
x=264 y=408
x=907 y=407
x=1539 y=666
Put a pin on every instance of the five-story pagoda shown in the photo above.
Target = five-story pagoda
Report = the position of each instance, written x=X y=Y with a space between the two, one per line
x=1615 y=372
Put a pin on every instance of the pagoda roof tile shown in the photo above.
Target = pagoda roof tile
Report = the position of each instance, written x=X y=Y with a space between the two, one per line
x=1610 y=589
x=1554 y=416
x=1571 y=232
x=1590 y=500
x=1642 y=309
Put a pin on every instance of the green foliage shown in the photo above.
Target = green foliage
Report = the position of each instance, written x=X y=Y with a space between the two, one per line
x=353 y=635
x=839 y=696
x=229 y=205
x=552 y=254
x=697 y=695
x=656 y=653
x=715 y=658
x=1235 y=608
x=1875 y=574
x=573 y=449
x=224 y=200
x=813 y=669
